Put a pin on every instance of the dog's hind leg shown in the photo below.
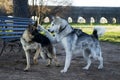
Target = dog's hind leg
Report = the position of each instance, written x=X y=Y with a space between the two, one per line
x=101 y=63
x=87 y=58
x=36 y=56
x=100 y=58
x=28 y=60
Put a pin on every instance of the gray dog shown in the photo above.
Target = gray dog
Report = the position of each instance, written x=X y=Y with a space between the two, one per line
x=74 y=40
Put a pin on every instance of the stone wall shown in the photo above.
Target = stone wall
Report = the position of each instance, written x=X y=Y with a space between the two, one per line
x=112 y=14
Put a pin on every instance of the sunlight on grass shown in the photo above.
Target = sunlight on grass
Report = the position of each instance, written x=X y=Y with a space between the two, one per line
x=112 y=33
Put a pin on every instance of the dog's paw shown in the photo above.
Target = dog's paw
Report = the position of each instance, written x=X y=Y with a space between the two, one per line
x=63 y=71
x=27 y=67
x=85 y=68
x=25 y=70
x=57 y=65
x=100 y=67
x=35 y=61
x=48 y=65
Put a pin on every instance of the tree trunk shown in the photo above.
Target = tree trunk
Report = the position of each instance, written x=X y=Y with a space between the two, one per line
x=20 y=8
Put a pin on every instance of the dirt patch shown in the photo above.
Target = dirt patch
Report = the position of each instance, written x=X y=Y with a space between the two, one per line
x=13 y=63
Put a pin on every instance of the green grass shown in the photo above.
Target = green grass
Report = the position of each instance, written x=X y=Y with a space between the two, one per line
x=111 y=35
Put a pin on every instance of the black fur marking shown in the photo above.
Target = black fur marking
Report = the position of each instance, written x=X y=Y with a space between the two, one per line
x=40 y=38
x=79 y=33
x=95 y=34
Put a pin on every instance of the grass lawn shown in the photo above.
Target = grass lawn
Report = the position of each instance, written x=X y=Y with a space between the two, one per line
x=112 y=33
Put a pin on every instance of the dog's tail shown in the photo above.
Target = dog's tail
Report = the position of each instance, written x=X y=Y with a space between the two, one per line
x=98 y=31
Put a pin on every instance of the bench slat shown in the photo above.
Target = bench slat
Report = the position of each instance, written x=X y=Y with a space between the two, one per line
x=13 y=25
x=15 y=18
x=8 y=37
x=3 y=33
x=13 y=29
x=19 y=23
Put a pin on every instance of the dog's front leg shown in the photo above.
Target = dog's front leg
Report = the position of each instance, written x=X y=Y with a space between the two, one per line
x=36 y=56
x=67 y=61
x=28 y=60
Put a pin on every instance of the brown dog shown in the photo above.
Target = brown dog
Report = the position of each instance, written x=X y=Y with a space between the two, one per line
x=32 y=39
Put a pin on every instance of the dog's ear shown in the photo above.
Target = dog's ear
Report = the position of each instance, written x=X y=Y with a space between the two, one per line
x=36 y=24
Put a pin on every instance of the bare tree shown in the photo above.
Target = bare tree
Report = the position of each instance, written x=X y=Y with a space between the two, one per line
x=43 y=8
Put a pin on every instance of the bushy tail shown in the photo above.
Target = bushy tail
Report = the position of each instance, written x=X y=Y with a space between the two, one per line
x=98 y=31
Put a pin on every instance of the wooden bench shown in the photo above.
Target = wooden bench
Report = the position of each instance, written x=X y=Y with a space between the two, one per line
x=11 y=29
